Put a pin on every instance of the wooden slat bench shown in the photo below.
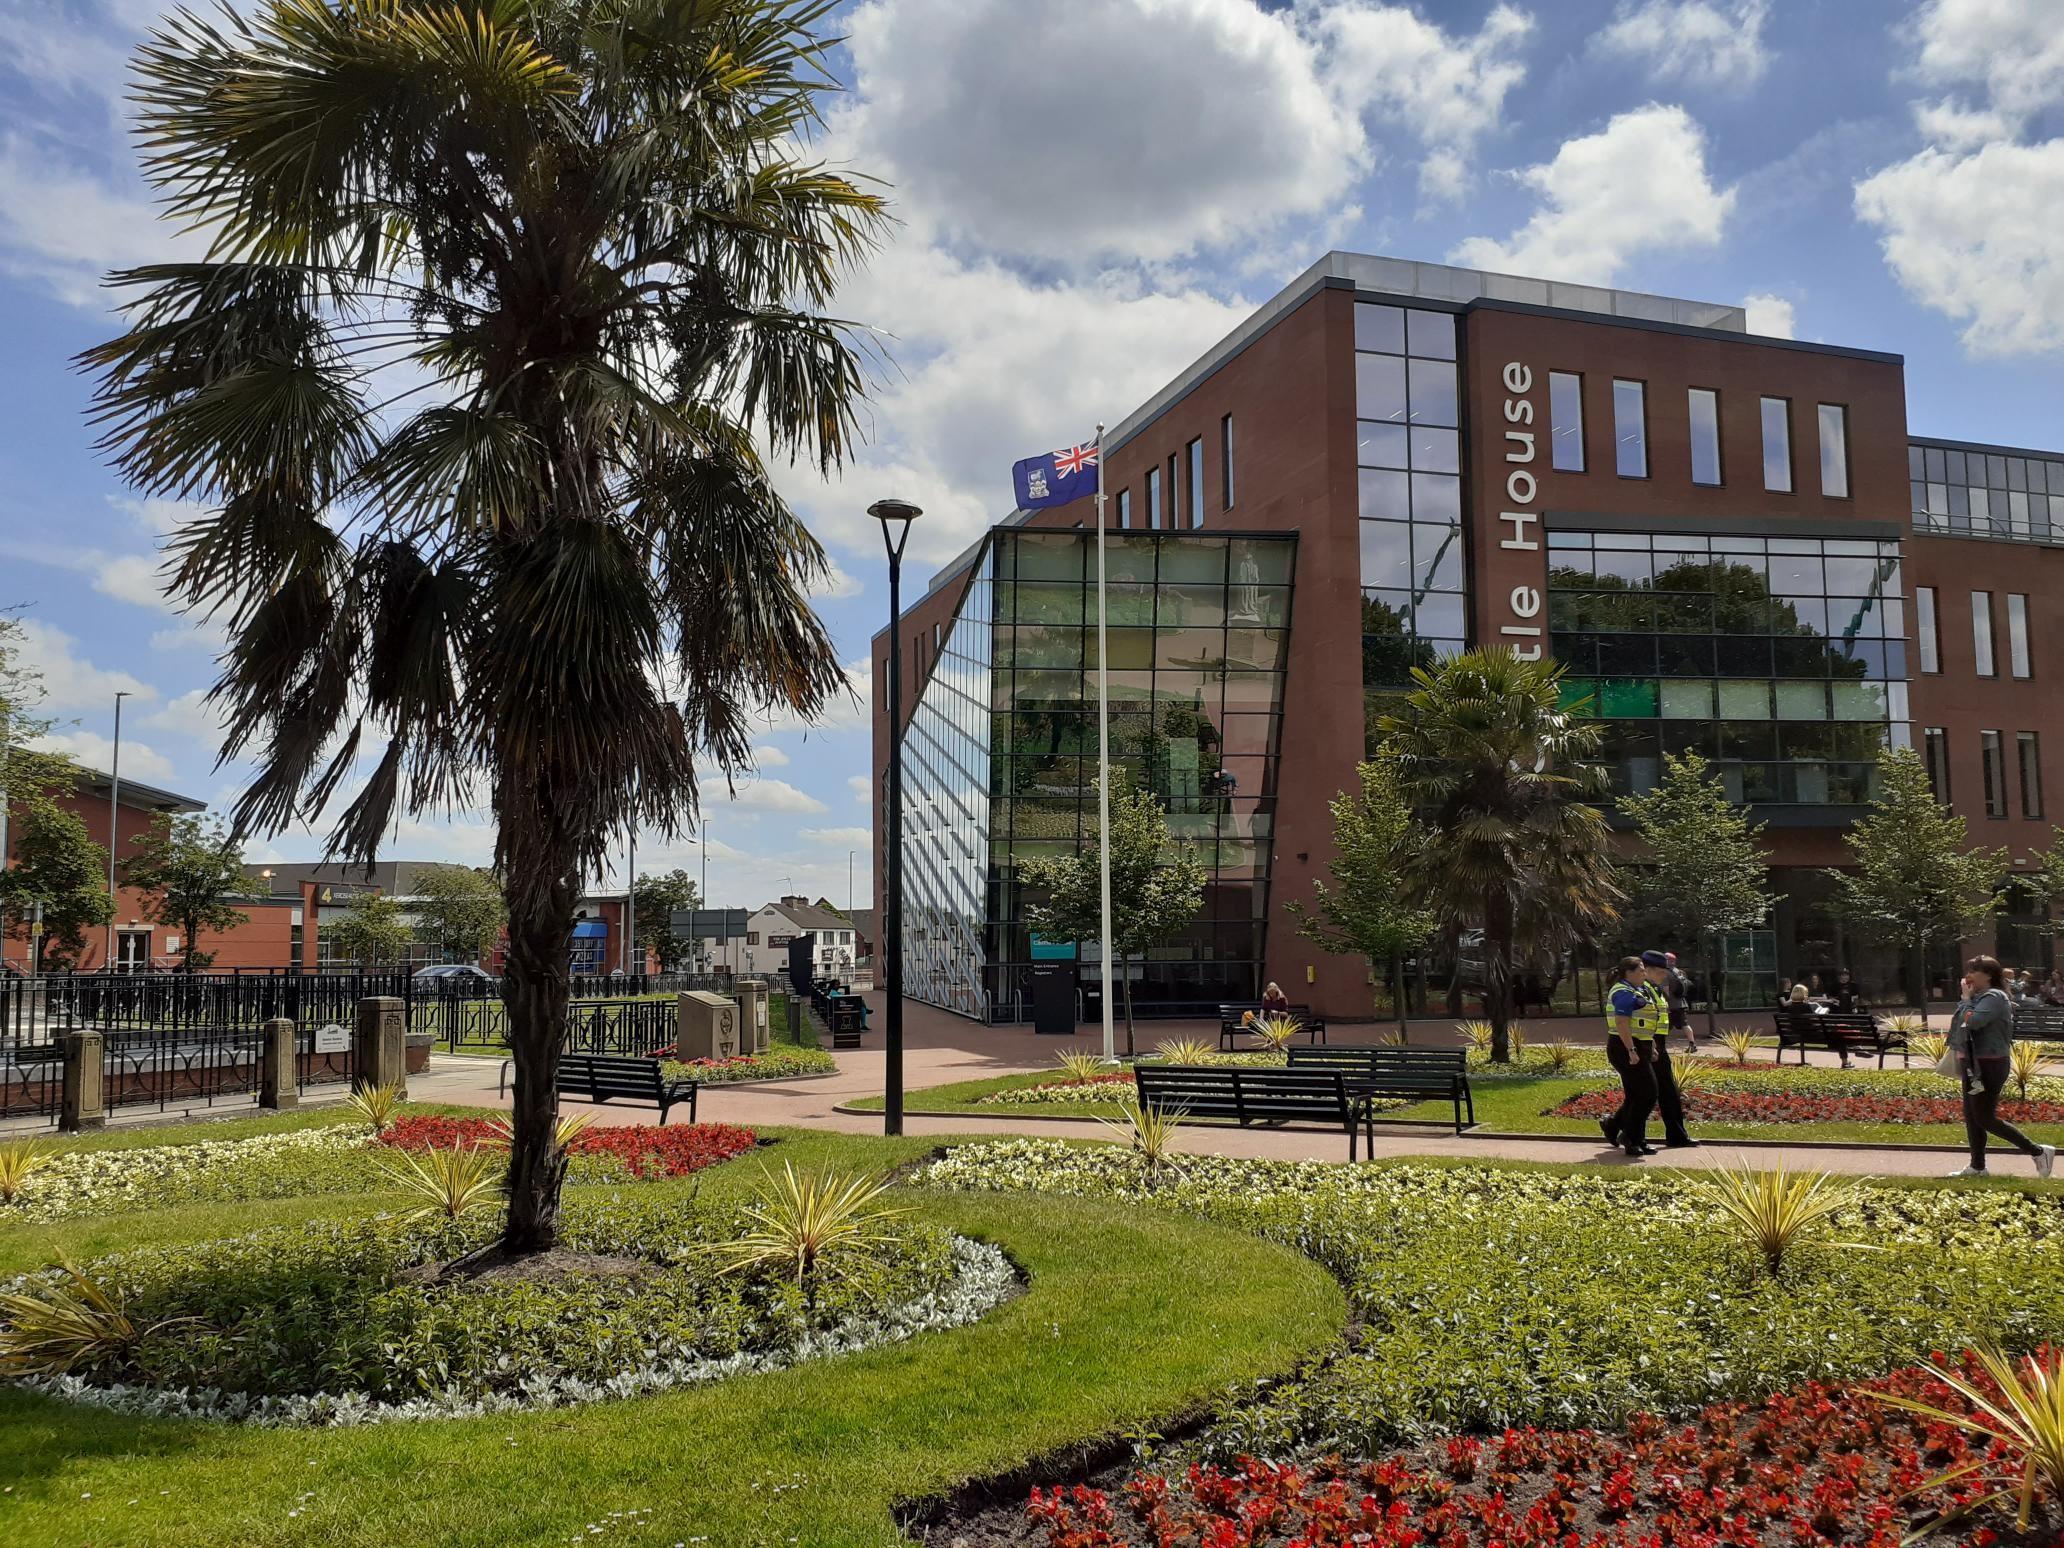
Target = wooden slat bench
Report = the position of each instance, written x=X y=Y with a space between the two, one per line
x=1251 y=1096
x=2039 y=1023
x=1845 y=1032
x=605 y=1077
x=1411 y=1074
x=1231 y=1028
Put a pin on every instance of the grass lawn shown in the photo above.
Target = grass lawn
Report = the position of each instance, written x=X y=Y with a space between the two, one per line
x=1130 y=1316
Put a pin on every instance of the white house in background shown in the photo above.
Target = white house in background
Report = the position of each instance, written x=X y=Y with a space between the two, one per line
x=770 y=928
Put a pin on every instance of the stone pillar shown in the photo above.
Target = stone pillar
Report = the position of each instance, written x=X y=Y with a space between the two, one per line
x=279 y=1085
x=705 y=1026
x=85 y=1095
x=752 y=1015
x=379 y=1046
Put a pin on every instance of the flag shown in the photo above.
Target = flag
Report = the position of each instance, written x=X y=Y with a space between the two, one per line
x=1056 y=478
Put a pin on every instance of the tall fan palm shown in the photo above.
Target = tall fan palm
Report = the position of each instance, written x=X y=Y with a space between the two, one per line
x=545 y=565
x=1499 y=773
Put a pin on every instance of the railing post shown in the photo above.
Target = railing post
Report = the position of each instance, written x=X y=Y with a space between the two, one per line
x=279 y=1080
x=379 y=1047
x=85 y=1092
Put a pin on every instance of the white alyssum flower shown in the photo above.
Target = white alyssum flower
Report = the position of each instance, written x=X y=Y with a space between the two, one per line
x=92 y=1182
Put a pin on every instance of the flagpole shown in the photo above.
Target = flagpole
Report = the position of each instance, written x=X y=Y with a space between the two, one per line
x=1103 y=763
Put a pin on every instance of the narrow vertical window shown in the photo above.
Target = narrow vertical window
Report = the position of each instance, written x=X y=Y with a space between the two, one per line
x=1705 y=435
x=1630 y=428
x=1193 y=476
x=2017 y=634
x=1174 y=514
x=1936 y=740
x=1225 y=452
x=1777 y=445
x=1834 y=451
x=1981 y=633
x=1153 y=500
x=2030 y=749
x=1566 y=420
x=1125 y=508
x=1924 y=629
x=1993 y=758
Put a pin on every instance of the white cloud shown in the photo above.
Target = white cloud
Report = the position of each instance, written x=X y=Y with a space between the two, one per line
x=1958 y=234
x=1638 y=185
x=62 y=227
x=838 y=838
x=774 y=795
x=1772 y=316
x=1954 y=126
x=140 y=760
x=861 y=786
x=2014 y=49
x=1704 y=42
x=837 y=585
x=70 y=681
x=191 y=714
x=846 y=710
x=768 y=756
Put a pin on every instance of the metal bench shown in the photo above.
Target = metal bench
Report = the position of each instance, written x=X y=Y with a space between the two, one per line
x=1845 y=1032
x=1230 y=1024
x=2039 y=1023
x=603 y=1077
x=1251 y=1096
x=1412 y=1074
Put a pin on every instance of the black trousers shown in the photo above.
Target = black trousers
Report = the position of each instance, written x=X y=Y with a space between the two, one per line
x=1628 y=1127
x=1669 y=1101
x=1984 y=1080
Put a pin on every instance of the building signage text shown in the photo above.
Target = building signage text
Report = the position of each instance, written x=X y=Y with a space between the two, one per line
x=1519 y=523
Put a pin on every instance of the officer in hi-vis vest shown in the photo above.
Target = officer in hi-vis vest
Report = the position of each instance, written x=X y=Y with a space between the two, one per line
x=1632 y=1027
x=1669 y=1101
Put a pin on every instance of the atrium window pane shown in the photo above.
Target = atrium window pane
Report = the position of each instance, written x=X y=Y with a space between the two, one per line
x=1437 y=557
x=1740 y=700
x=1386 y=553
x=1925 y=636
x=1436 y=497
x=1566 y=420
x=1802 y=701
x=1431 y=334
x=1433 y=392
x=1380 y=388
x=1385 y=495
x=1435 y=451
x=1630 y=429
x=1705 y=435
x=1379 y=327
x=2017 y=634
x=1834 y=451
x=1687 y=701
x=1383 y=445
x=1981 y=633
x=1777 y=445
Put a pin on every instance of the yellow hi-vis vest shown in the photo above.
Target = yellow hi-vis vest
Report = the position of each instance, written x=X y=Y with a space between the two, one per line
x=1649 y=1017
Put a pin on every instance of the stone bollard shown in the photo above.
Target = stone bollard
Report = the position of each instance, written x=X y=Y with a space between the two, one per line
x=705 y=1026
x=279 y=1083
x=379 y=1045
x=85 y=1093
x=752 y=1015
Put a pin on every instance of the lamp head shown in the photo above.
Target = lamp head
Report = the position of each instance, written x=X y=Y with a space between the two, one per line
x=892 y=509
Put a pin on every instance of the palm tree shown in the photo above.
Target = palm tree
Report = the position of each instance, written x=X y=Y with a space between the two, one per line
x=503 y=295
x=1500 y=773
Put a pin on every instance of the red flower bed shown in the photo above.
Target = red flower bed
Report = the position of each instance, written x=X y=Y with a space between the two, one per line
x=1721 y=1105
x=1809 y=1469
x=649 y=1150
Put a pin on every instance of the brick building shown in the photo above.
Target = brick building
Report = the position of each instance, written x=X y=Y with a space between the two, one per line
x=1732 y=543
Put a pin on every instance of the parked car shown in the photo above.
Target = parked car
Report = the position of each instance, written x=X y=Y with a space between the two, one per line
x=451 y=975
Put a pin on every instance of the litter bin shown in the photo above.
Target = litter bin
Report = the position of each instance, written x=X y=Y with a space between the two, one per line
x=1053 y=1000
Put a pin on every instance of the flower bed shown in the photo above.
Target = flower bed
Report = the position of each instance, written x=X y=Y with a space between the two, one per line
x=329 y=1159
x=1489 y=1297
x=324 y=1324
x=636 y=1150
x=781 y=1063
x=1723 y=1103
x=1825 y=1464
x=1109 y=1090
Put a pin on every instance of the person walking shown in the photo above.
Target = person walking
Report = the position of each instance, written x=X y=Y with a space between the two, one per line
x=1669 y=1100
x=1677 y=990
x=1631 y=1022
x=1982 y=1034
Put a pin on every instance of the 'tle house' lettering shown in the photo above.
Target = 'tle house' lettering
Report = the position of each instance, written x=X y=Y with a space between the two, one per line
x=1525 y=601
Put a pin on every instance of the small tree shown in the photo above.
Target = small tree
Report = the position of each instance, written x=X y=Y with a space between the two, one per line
x=1705 y=870
x=56 y=862
x=458 y=910
x=187 y=869
x=656 y=898
x=1366 y=912
x=1156 y=887
x=2048 y=879
x=373 y=931
x=1915 y=884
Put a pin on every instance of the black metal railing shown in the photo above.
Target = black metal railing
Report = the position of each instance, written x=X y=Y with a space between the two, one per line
x=203 y=1001
x=164 y=1068
x=31 y=1080
x=622 y=1026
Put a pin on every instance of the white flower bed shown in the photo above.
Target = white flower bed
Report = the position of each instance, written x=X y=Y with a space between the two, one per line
x=983 y=1279
x=92 y=1182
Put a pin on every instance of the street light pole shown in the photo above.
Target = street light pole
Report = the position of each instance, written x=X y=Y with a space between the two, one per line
x=889 y=513
x=114 y=826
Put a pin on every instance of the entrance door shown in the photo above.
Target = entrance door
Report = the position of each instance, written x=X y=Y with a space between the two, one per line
x=132 y=951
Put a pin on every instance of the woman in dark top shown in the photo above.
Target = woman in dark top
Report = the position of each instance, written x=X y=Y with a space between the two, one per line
x=1982 y=1035
x=1848 y=996
x=1273 y=1001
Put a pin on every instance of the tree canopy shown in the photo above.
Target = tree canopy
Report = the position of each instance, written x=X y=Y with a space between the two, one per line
x=656 y=897
x=187 y=869
x=56 y=862
x=458 y=910
x=374 y=931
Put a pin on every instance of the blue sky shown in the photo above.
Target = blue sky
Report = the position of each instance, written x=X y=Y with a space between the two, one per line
x=1091 y=192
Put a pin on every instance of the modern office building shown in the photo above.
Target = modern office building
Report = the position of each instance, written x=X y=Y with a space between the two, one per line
x=1732 y=543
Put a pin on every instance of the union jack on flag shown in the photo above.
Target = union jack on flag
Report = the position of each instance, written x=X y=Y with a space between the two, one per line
x=1055 y=478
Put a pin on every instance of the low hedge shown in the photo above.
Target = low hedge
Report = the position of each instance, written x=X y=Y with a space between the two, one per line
x=782 y=1061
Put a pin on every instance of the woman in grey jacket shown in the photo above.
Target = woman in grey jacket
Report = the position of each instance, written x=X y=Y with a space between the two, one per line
x=1982 y=1035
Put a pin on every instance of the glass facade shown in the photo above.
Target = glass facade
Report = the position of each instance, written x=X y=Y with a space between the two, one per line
x=1198 y=631
x=1780 y=660
x=1986 y=494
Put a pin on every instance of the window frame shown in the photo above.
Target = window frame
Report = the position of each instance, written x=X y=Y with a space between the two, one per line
x=1640 y=384
x=1174 y=496
x=1554 y=433
x=1848 y=490
x=1193 y=476
x=2020 y=657
x=1928 y=630
x=1719 y=478
x=2028 y=753
x=1791 y=463
x=1984 y=636
x=1225 y=453
x=1125 y=509
x=1992 y=760
x=1152 y=502
x=1935 y=755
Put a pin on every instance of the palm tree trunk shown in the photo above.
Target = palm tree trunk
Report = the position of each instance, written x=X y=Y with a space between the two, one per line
x=1498 y=973
x=536 y=987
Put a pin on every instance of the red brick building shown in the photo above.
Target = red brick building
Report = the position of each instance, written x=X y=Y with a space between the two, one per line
x=1732 y=543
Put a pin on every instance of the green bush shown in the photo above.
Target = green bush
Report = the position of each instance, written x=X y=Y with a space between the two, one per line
x=782 y=1061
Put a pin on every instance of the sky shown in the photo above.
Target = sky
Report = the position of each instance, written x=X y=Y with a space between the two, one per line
x=1088 y=194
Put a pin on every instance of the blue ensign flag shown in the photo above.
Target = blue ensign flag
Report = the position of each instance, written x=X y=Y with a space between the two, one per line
x=1056 y=478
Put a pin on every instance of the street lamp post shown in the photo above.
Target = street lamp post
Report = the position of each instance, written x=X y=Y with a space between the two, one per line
x=890 y=513
x=114 y=828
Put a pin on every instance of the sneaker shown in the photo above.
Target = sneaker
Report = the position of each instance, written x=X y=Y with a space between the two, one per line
x=2045 y=1161
x=1968 y=1171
